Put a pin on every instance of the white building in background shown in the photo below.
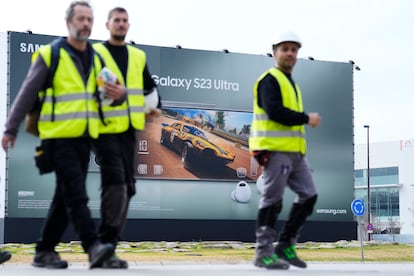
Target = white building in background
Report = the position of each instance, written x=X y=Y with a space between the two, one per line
x=391 y=185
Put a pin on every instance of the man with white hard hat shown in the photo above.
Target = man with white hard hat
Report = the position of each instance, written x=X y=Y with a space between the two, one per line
x=287 y=37
x=277 y=141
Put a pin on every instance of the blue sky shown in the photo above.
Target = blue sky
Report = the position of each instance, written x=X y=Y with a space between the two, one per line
x=376 y=34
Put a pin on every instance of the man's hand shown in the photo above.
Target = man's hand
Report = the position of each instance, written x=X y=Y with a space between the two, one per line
x=314 y=119
x=154 y=113
x=114 y=91
x=7 y=141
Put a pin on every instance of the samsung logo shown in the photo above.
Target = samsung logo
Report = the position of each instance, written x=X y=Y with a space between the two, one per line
x=25 y=193
x=29 y=47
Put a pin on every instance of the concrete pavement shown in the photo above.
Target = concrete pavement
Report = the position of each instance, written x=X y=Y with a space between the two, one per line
x=216 y=269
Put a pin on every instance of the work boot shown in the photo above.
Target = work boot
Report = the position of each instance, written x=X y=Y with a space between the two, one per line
x=115 y=262
x=98 y=253
x=49 y=259
x=4 y=256
x=272 y=262
x=287 y=252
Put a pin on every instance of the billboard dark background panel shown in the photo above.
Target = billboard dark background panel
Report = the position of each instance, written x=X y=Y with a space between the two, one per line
x=195 y=200
x=189 y=230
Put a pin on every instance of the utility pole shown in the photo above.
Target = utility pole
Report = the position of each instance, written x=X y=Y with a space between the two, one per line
x=368 y=188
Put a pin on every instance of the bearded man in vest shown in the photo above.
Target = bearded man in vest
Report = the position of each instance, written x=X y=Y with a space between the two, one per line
x=68 y=123
x=277 y=141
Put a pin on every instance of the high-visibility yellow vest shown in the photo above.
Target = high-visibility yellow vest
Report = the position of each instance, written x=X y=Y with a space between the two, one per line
x=118 y=118
x=266 y=134
x=69 y=109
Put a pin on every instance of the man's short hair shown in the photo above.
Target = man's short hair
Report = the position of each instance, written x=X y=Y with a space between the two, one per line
x=116 y=9
x=70 y=12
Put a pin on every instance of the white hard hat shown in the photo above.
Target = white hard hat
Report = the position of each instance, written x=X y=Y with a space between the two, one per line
x=287 y=37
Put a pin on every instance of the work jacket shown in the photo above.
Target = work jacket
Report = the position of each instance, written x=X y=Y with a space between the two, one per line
x=118 y=118
x=69 y=108
x=266 y=134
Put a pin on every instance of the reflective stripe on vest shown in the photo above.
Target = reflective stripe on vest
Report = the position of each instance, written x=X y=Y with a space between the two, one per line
x=270 y=135
x=118 y=118
x=273 y=133
x=75 y=108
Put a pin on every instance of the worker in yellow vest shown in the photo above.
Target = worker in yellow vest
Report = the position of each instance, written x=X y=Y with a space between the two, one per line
x=68 y=123
x=125 y=109
x=277 y=141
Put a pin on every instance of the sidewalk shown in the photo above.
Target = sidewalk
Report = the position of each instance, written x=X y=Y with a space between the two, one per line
x=243 y=269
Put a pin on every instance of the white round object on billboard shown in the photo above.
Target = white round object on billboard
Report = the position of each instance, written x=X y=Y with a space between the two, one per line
x=242 y=193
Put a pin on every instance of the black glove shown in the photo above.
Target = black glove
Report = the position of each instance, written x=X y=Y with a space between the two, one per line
x=261 y=156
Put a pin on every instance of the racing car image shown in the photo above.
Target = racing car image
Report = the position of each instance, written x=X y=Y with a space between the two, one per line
x=193 y=145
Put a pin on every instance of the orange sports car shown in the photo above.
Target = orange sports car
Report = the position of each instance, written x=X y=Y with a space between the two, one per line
x=192 y=144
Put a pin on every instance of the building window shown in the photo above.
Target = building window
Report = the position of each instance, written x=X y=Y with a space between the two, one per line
x=385 y=207
x=378 y=176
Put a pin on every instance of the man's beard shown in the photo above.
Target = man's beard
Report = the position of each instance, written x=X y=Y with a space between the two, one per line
x=119 y=37
x=287 y=66
x=75 y=33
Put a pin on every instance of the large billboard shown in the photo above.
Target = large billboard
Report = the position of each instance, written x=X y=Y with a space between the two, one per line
x=192 y=159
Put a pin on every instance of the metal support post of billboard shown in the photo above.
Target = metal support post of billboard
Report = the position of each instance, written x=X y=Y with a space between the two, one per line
x=369 y=226
x=2 y=210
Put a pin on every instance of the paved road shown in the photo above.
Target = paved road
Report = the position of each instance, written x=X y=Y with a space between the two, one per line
x=183 y=269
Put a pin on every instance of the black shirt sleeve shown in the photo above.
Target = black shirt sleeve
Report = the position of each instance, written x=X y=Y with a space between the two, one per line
x=270 y=99
x=149 y=83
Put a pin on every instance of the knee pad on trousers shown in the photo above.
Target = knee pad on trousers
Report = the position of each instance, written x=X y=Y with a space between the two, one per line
x=309 y=204
x=267 y=216
x=296 y=219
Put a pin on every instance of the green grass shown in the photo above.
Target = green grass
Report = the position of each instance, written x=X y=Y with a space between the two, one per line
x=229 y=252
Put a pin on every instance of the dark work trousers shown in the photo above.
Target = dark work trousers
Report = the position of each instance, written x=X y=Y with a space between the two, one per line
x=71 y=158
x=115 y=155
